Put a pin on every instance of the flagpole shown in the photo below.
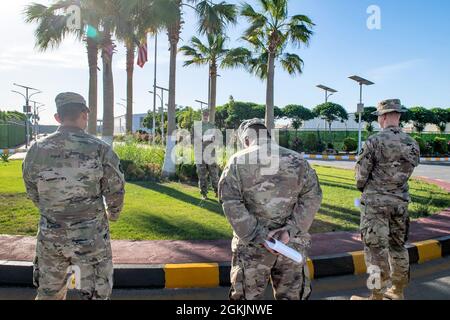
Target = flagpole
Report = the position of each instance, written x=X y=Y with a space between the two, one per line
x=154 y=88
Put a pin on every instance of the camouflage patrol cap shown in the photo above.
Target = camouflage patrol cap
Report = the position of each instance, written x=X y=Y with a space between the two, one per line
x=243 y=128
x=388 y=106
x=70 y=100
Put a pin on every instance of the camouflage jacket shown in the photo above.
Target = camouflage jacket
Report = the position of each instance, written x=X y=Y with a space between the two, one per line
x=385 y=165
x=255 y=202
x=70 y=176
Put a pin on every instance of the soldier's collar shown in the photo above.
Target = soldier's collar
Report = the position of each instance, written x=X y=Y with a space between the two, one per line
x=70 y=129
x=392 y=128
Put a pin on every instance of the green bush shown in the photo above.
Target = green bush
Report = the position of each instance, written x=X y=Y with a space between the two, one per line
x=298 y=145
x=425 y=148
x=5 y=157
x=187 y=172
x=140 y=154
x=284 y=140
x=313 y=144
x=440 y=146
x=350 y=145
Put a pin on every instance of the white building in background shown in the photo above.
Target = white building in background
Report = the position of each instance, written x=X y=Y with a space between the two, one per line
x=120 y=124
x=350 y=125
x=322 y=125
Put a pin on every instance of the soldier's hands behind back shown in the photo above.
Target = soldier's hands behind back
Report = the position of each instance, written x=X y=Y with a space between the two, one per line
x=280 y=235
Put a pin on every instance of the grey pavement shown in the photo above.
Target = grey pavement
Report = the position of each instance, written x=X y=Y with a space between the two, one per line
x=430 y=281
x=430 y=170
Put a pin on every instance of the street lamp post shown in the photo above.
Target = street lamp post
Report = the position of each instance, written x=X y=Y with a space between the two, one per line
x=161 y=98
x=120 y=119
x=162 y=109
x=328 y=93
x=360 y=109
x=154 y=86
x=36 y=107
x=202 y=103
x=27 y=107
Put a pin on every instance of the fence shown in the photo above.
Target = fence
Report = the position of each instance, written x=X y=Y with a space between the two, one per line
x=337 y=137
x=12 y=134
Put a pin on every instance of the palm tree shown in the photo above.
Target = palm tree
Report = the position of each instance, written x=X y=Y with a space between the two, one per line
x=136 y=19
x=214 y=54
x=52 y=30
x=212 y=19
x=126 y=32
x=271 y=31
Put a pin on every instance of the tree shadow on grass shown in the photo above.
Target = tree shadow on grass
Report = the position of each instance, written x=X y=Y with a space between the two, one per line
x=162 y=228
x=346 y=186
x=320 y=226
x=209 y=205
x=324 y=176
x=352 y=216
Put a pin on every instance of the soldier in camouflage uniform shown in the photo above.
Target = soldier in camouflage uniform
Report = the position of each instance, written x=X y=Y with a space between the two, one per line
x=207 y=167
x=384 y=167
x=76 y=182
x=260 y=206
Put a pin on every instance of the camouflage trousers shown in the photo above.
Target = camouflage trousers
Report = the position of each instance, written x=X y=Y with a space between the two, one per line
x=384 y=231
x=254 y=266
x=205 y=170
x=90 y=258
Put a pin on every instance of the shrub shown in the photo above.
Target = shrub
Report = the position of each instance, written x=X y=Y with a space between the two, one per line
x=284 y=140
x=140 y=155
x=440 y=146
x=132 y=171
x=187 y=172
x=350 y=145
x=5 y=157
x=425 y=148
x=313 y=143
x=297 y=145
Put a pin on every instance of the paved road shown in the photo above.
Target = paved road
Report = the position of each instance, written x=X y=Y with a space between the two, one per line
x=433 y=171
x=430 y=281
x=430 y=170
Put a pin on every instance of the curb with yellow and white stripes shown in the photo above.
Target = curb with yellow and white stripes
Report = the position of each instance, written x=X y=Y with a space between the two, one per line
x=212 y=275
x=305 y=156
x=353 y=158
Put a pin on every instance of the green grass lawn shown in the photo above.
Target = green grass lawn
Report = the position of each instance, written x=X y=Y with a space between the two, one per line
x=175 y=211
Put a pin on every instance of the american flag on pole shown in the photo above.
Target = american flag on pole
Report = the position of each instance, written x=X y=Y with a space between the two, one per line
x=142 y=54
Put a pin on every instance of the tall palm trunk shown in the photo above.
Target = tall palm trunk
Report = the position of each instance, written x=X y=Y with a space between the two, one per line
x=130 y=98
x=169 y=168
x=92 y=51
x=270 y=116
x=213 y=93
x=108 y=92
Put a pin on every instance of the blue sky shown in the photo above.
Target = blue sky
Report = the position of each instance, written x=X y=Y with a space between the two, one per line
x=407 y=58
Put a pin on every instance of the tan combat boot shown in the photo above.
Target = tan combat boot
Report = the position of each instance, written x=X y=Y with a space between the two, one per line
x=394 y=293
x=373 y=296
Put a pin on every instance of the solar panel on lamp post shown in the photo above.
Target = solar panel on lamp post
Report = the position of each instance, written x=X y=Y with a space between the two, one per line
x=328 y=93
x=327 y=90
x=202 y=103
x=360 y=109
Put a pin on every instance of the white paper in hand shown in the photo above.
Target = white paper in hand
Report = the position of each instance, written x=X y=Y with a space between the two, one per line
x=284 y=250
